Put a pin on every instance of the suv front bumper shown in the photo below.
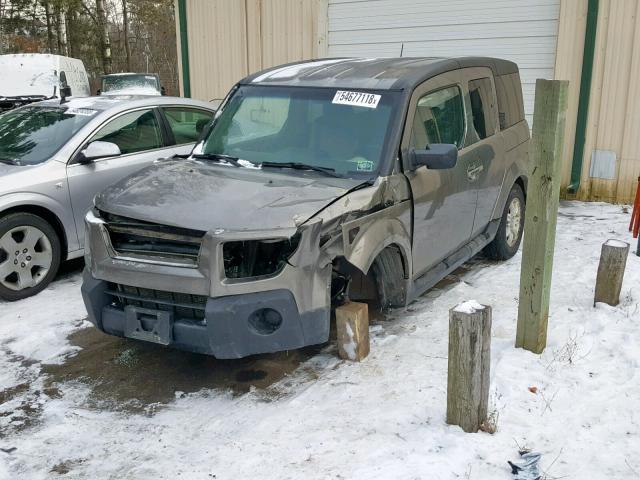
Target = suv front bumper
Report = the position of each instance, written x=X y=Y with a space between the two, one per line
x=231 y=320
x=227 y=330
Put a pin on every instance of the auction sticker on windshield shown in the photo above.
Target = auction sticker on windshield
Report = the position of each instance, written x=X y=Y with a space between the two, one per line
x=358 y=99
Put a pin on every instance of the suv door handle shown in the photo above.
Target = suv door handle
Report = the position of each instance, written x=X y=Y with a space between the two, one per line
x=473 y=171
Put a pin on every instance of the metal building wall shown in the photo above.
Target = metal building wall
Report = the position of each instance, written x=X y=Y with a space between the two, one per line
x=614 y=107
x=228 y=39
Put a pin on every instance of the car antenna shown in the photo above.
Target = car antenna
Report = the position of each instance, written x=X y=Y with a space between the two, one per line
x=401 y=49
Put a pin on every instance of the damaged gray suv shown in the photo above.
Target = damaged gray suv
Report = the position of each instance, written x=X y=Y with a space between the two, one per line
x=366 y=179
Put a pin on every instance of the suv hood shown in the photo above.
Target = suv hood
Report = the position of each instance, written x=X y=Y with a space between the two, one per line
x=211 y=196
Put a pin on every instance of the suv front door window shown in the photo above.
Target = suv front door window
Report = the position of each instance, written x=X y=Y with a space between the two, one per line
x=444 y=200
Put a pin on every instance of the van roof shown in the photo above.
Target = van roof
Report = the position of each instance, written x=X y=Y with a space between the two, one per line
x=374 y=73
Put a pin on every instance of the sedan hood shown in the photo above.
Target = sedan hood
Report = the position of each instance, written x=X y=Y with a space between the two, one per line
x=6 y=169
x=211 y=196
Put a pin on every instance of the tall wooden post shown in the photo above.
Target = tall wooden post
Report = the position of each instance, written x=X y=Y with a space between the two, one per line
x=469 y=364
x=543 y=192
x=613 y=261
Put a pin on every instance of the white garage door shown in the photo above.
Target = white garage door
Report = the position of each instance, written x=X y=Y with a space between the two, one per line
x=523 y=31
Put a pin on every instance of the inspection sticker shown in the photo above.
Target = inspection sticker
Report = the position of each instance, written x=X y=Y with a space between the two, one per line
x=358 y=99
x=365 y=166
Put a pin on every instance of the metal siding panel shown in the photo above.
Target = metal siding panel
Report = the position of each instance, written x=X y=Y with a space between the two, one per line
x=614 y=90
x=629 y=155
x=568 y=66
x=595 y=98
x=212 y=24
x=523 y=31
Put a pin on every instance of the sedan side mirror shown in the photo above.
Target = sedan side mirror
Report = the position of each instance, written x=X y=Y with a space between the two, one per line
x=98 y=149
x=438 y=156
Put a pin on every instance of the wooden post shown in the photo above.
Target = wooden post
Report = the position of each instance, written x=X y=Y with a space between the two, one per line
x=543 y=192
x=469 y=363
x=352 y=324
x=613 y=261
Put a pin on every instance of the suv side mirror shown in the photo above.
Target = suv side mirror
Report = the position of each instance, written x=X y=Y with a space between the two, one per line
x=96 y=150
x=438 y=156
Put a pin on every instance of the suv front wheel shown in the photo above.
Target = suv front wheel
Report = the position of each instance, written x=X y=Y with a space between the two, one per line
x=509 y=235
x=29 y=255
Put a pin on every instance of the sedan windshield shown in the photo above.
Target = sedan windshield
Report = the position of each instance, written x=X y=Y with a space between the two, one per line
x=341 y=131
x=31 y=135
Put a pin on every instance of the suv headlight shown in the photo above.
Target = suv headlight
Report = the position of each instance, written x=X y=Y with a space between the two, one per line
x=257 y=258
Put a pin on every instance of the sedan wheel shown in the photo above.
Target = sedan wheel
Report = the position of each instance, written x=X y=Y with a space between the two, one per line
x=28 y=258
x=29 y=255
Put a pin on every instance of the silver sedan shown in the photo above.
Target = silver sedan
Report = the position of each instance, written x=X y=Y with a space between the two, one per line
x=55 y=157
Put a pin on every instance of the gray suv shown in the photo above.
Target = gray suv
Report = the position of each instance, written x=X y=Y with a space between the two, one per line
x=54 y=157
x=362 y=179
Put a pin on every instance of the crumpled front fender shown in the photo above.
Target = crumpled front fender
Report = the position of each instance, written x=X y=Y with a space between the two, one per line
x=365 y=237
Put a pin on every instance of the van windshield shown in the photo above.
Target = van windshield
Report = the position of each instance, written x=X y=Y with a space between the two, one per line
x=31 y=135
x=141 y=84
x=343 y=131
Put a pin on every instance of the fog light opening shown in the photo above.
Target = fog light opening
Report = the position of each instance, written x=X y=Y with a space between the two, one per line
x=265 y=321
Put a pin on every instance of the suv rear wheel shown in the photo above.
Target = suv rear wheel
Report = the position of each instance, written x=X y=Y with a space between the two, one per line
x=509 y=235
x=30 y=255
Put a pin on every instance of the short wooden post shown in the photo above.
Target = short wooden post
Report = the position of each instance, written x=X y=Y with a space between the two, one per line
x=613 y=261
x=543 y=192
x=352 y=325
x=469 y=364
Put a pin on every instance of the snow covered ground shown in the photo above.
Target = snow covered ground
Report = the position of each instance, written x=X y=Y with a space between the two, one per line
x=382 y=418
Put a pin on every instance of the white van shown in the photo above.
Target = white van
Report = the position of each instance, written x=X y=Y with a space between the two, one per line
x=30 y=77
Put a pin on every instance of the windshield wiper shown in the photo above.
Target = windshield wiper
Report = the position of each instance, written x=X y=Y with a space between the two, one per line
x=302 y=166
x=218 y=156
x=9 y=161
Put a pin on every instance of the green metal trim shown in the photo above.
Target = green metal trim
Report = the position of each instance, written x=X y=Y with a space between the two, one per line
x=585 y=92
x=184 y=48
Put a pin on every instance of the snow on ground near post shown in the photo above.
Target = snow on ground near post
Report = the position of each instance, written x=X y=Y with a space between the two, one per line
x=383 y=417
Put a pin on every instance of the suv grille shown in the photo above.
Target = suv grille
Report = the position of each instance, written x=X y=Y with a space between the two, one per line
x=137 y=238
x=182 y=305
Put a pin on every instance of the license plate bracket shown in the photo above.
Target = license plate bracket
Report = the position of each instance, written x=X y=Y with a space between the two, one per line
x=149 y=325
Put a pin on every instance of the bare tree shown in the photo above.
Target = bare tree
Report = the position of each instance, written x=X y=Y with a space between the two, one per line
x=47 y=14
x=125 y=27
x=103 y=29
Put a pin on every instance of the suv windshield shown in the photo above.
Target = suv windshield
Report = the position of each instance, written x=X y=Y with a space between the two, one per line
x=31 y=135
x=142 y=83
x=343 y=131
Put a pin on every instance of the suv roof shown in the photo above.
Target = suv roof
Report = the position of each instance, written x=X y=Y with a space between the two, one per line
x=375 y=73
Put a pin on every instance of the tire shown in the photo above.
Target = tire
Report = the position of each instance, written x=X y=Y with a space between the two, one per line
x=388 y=274
x=30 y=255
x=507 y=239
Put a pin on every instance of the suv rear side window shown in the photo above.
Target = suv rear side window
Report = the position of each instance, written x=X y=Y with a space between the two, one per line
x=439 y=118
x=187 y=123
x=132 y=132
x=482 y=107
